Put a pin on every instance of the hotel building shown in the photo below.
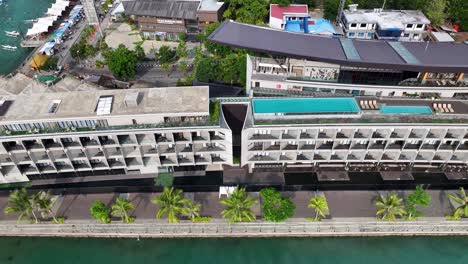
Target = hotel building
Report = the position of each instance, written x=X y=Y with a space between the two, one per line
x=100 y=132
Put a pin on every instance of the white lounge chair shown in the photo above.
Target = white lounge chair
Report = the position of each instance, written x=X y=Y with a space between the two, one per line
x=445 y=108
x=441 y=109
x=450 y=108
x=434 y=106
x=374 y=102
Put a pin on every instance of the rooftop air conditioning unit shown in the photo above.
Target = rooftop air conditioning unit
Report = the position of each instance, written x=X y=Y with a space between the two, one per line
x=132 y=99
x=353 y=7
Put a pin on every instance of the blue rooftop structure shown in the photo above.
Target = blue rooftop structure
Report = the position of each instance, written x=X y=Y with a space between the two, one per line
x=322 y=26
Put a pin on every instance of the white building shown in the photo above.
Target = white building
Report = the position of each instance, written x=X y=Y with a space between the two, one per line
x=109 y=132
x=402 y=25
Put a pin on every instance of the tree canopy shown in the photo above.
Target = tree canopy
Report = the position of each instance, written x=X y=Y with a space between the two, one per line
x=122 y=62
x=165 y=54
x=247 y=11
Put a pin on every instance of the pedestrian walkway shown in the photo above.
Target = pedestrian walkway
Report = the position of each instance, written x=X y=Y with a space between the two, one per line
x=158 y=229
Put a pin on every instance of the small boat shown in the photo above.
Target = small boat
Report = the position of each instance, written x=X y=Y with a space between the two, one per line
x=30 y=21
x=12 y=33
x=8 y=47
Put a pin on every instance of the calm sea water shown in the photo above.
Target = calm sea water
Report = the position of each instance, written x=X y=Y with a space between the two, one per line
x=425 y=250
x=12 y=16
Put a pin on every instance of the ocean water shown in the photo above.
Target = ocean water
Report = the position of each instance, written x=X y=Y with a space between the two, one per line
x=384 y=250
x=12 y=16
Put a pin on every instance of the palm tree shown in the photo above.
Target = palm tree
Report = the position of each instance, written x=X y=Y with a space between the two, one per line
x=461 y=201
x=121 y=208
x=19 y=202
x=192 y=210
x=43 y=203
x=171 y=203
x=390 y=206
x=320 y=205
x=238 y=206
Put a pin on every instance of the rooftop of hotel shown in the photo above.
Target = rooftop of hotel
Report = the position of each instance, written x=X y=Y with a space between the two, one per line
x=172 y=101
x=386 y=18
x=409 y=56
x=357 y=110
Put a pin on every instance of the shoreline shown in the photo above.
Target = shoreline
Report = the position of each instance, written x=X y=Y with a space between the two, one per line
x=221 y=229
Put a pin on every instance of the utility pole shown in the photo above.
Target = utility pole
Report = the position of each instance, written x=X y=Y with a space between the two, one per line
x=340 y=12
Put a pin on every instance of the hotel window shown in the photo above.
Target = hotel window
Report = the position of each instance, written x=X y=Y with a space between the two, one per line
x=419 y=26
x=409 y=26
x=360 y=35
x=353 y=25
x=370 y=35
x=351 y=34
x=363 y=25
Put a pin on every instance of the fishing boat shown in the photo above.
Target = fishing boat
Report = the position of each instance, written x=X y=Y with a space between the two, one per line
x=12 y=33
x=8 y=47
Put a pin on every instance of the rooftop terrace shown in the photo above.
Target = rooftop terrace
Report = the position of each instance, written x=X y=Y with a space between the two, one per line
x=187 y=101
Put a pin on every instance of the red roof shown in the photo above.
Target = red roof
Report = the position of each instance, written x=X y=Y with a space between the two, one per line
x=278 y=11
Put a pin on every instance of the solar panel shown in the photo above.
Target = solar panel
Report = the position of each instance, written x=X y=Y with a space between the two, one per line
x=405 y=54
x=104 y=105
x=349 y=49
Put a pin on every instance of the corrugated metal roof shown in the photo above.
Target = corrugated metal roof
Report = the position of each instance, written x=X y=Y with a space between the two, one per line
x=432 y=57
x=162 y=8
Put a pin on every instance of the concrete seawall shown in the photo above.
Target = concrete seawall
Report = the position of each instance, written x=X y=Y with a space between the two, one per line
x=158 y=229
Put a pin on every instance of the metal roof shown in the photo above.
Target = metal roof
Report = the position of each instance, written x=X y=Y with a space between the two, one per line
x=162 y=8
x=426 y=56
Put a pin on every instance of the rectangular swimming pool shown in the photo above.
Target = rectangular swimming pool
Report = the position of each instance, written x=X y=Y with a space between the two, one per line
x=408 y=110
x=305 y=105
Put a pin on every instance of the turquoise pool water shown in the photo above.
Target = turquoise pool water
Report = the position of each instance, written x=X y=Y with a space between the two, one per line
x=418 y=110
x=305 y=105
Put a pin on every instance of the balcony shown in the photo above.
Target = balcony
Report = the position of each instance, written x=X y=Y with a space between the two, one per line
x=412 y=146
x=447 y=147
x=327 y=146
x=307 y=147
x=214 y=136
x=179 y=137
x=33 y=146
x=108 y=142
x=163 y=150
x=90 y=143
x=287 y=136
x=305 y=136
x=50 y=144
x=185 y=161
x=396 y=135
x=273 y=147
x=14 y=148
x=256 y=147
x=290 y=147
x=377 y=146
x=200 y=159
x=261 y=158
x=126 y=140
x=81 y=166
x=215 y=159
x=301 y=157
x=359 y=146
x=341 y=136
x=284 y=158
x=64 y=167
x=377 y=135
x=209 y=148
x=342 y=146
x=431 y=147
x=99 y=165
x=396 y=146
x=149 y=151
x=323 y=135
x=359 y=135
x=71 y=144
x=262 y=137
x=116 y=164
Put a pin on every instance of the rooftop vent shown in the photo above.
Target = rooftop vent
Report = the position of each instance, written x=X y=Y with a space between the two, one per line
x=104 y=105
x=132 y=99
x=53 y=106
x=353 y=7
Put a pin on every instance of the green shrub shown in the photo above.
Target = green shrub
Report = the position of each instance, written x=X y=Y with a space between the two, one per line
x=214 y=112
x=50 y=64
x=165 y=179
x=274 y=207
x=201 y=219
x=100 y=212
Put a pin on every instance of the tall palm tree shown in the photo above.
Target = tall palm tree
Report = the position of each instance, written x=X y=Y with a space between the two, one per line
x=320 y=205
x=171 y=203
x=19 y=202
x=390 y=206
x=121 y=208
x=238 y=206
x=192 y=210
x=43 y=203
x=461 y=200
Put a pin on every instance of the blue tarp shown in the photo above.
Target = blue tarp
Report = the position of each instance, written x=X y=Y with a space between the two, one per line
x=58 y=33
x=74 y=13
x=321 y=26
